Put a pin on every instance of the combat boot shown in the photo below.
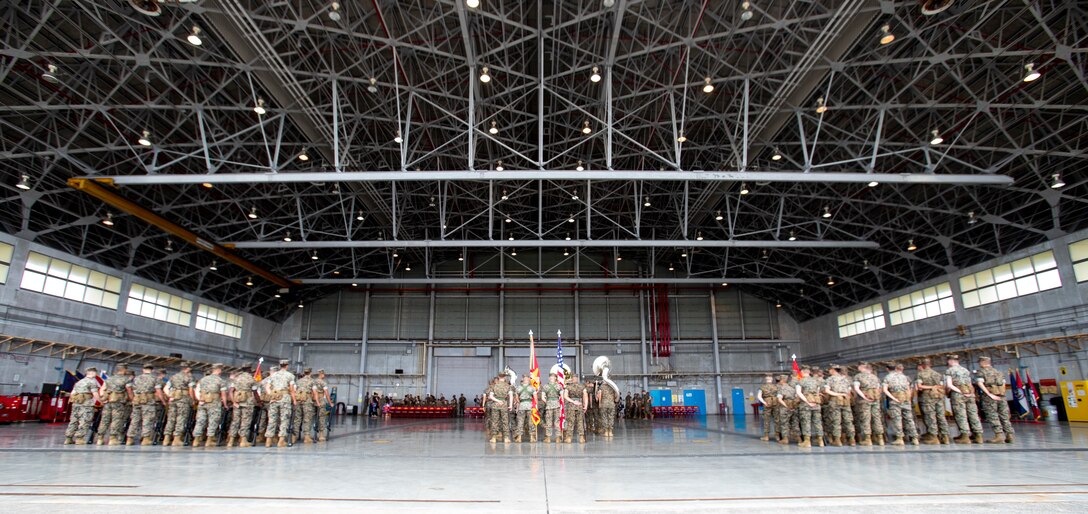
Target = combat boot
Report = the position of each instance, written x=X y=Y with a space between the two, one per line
x=963 y=438
x=998 y=438
x=212 y=442
x=1008 y=438
x=853 y=440
x=881 y=439
x=68 y=440
x=260 y=439
x=976 y=438
x=785 y=441
x=805 y=443
x=547 y=439
x=131 y=441
x=308 y=440
x=764 y=438
x=322 y=438
x=179 y=441
x=198 y=440
x=506 y=439
x=581 y=439
x=282 y=443
x=230 y=441
x=930 y=439
x=943 y=439
x=517 y=439
x=167 y=439
x=101 y=441
x=836 y=440
x=820 y=441
x=145 y=441
x=81 y=441
x=268 y=442
x=866 y=441
x=492 y=440
x=898 y=441
x=115 y=441
x=567 y=439
x=914 y=441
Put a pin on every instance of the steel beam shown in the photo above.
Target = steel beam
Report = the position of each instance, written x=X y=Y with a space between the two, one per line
x=557 y=243
x=565 y=281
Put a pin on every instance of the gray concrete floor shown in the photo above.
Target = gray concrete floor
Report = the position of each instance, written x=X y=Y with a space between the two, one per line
x=695 y=465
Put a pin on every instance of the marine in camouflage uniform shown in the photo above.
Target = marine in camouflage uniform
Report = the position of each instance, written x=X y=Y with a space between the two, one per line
x=576 y=402
x=489 y=410
x=305 y=400
x=162 y=407
x=525 y=393
x=897 y=390
x=114 y=397
x=839 y=414
x=962 y=394
x=551 y=393
x=593 y=411
x=766 y=396
x=501 y=400
x=146 y=395
x=871 y=419
x=324 y=404
x=279 y=390
x=82 y=399
x=994 y=406
x=930 y=385
x=243 y=397
x=784 y=414
x=181 y=395
x=808 y=391
x=606 y=398
x=212 y=395
x=825 y=400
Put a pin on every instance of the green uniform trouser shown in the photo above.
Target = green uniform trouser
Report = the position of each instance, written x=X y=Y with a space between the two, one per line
x=966 y=414
x=870 y=418
x=902 y=414
x=489 y=422
x=551 y=423
x=811 y=424
x=608 y=417
x=933 y=415
x=241 y=421
x=997 y=414
x=500 y=421
x=593 y=420
x=112 y=422
x=279 y=417
x=765 y=416
x=840 y=417
x=208 y=417
x=141 y=422
x=784 y=419
x=304 y=419
x=524 y=423
x=574 y=426
x=322 y=420
x=179 y=416
x=79 y=423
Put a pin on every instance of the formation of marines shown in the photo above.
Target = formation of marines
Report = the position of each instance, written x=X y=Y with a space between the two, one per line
x=588 y=408
x=183 y=411
x=844 y=410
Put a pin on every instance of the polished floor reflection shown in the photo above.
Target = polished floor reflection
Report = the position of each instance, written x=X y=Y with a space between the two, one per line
x=672 y=465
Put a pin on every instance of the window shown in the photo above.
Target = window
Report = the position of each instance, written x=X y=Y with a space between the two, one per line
x=55 y=277
x=155 y=304
x=1079 y=253
x=865 y=319
x=218 y=321
x=5 y=261
x=926 y=303
x=1018 y=278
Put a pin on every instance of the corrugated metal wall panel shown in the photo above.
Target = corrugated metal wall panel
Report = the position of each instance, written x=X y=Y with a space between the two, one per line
x=556 y=314
x=461 y=375
x=521 y=316
x=323 y=317
x=757 y=317
x=623 y=318
x=352 y=304
x=483 y=317
x=415 y=317
x=728 y=314
x=594 y=317
x=690 y=318
x=383 y=317
x=450 y=317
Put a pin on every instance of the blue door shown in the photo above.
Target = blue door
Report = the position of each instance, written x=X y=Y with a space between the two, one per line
x=739 y=402
x=695 y=398
x=661 y=397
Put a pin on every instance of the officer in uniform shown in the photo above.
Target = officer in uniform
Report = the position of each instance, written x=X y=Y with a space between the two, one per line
x=161 y=406
x=837 y=388
x=784 y=414
x=212 y=397
x=962 y=394
x=146 y=393
x=867 y=389
x=279 y=390
x=994 y=406
x=551 y=393
x=305 y=399
x=592 y=411
x=324 y=404
x=808 y=391
x=83 y=397
x=180 y=390
x=501 y=400
x=606 y=398
x=577 y=401
x=114 y=394
x=244 y=396
x=930 y=385
x=262 y=415
x=525 y=393
x=765 y=395
x=489 y=411
x=897 y=390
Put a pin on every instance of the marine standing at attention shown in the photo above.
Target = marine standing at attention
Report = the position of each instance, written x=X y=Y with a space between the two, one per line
x=212 y=395
x=551 y=392
x=577 y=402
x=181 y=395
x=83 y=397
x=962 y=394
x=244 y=397
x=994 y=406
x=501 y=398
x=279 y=390
x=146 y=394
x=931 y=396
x=838 y=388
x=897 y=390
x=525 y=394
x=765 y=395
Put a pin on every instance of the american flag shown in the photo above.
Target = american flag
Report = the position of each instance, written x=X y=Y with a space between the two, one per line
x=562 y=376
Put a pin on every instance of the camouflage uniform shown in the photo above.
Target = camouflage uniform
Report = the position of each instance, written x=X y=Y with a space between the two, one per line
x=489 y=411
x=811 y=423
x=550 y=392
x=524 y=421
x=82 y=400
x=181 y=406
x=964 y=408
x=593 y=412
x=608 y=408
x=839 y=408
x=996 y=411
x=209 y=414
x=901 y=411
x=245 y=387
x=770 y=391
x=322 y=409
x=575 y=429
x=279 y=404
x=501 y=416
x=870 y=417
x=932 y=404
x=114 y=410
x=785 y=417
x=141 y=423
x=304 y=408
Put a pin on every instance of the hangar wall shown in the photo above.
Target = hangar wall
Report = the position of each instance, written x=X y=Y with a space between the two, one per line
x=1057 y=312
x=30 y=314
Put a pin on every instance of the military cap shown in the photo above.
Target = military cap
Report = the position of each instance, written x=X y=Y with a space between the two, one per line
x=806 y=366
x=185 y=365
x=218 y=365
x=783 y=377
x=149 y=366
x=121 y=365
x=835 y=366
x=285 y=362
x=321 y=371
x=984 y=358
x=927 y=361
x=952 y=357
x=91 y=370
x=246 y=367
x=891 y=365
x=306 y=370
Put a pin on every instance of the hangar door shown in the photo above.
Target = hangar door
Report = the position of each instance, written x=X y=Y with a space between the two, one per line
x=461 y=375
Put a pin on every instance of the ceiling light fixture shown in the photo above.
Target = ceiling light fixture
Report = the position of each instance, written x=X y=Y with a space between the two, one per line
x=570 y=219
x=778 y=305
x=725 y=284
x=194 y=37
x=50 y=74
x=287 y=237
x=708 y=87
x=608 y=3
x=252 y=213
x=698 y=236
x=937 y=139
x=911 y=246
x=579 y=167
x=684 y=254
x=494 y=128
x=646 y=201
x=472 y=4
x=461 y=258
x=671 y=268
x=830 y=281
x=793 y=237
x=373 y=87
x=24 y=183
x=397 y=139
x=718 y=216
x=169 y=245
x=354 y=284
x=827 y=212
x=303 y=156
x=206 y=185
x=334 y=15
x=618 y=258
x=407 y=267
x=886 y=34
x=259 y=108
x=971 y=219
x=766 y=255
x=873 y=183
x=395 y=254
x=145 y=139
x=249 y=281
x=213 y=267
x=585 y=128
x=498 y=166
x=300 y=305
x=314 y=256
x=508 y=220
x=682 y=138
x=865 y=264
x=1031 y=75
x=821 y=107
x=108 y=220
x=511 y=238
x=360 y=217
x=777 y=156
x=568 y=236
x=566 y=252
x=485 y=77
x=747 y=14
x=504 y=197
x=1058 y=182
x=596 y=76
x=744 y=188
x=514 y=253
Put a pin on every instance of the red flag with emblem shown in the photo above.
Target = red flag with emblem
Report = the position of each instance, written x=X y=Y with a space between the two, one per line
x=796 y=368
x=257 y=374
x=534 y=377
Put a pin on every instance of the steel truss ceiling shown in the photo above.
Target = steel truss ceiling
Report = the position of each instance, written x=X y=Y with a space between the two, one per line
x=340 y=91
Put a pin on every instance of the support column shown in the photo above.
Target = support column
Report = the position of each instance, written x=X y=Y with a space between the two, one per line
x=364 y=381
x=717 y=352
x=642 y=337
